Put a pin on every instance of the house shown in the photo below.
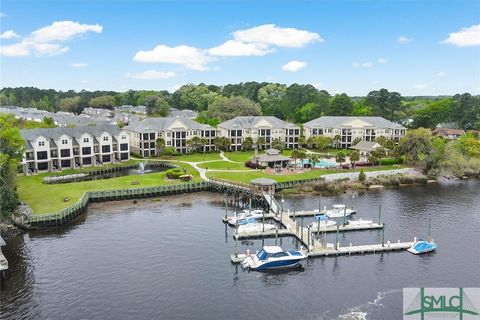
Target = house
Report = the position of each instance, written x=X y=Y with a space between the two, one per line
x=68 y=148
x=174 y=131
x=349 y=128
x=255 y=127
x=174 y=112
x=448 y=133
x=365 y=148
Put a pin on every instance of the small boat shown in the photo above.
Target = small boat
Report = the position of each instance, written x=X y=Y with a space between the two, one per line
x=422 y=246
x=256 y=227
x=338 y=211
x=273 y=257
x=360 y=222
x=321 y=221
x=246 y=216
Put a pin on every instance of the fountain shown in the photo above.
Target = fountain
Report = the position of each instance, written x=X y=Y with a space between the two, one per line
x=141 y=166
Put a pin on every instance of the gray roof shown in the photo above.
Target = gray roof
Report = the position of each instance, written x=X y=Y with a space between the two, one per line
x=54 y=133
x=161 y=124
x=339 y=121
x=246 y=122
x=174 y=112
x=263 y=181
x=365 y=146
x=272 y=158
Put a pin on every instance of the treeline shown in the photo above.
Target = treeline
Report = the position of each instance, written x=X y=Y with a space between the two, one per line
x=297 y=103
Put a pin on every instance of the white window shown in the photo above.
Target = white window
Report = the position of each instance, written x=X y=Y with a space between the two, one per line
x=64 y=141
x=105 y=138
x=41 y=143
x=85 y=140
x=124 y=137
x=169 y=143
x=169 y=134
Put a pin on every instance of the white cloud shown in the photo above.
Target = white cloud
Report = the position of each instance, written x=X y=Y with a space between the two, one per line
x=294 y=66
x=9 y=34
x=234 y=48
x=404 y=40
x=190 y=57
x=382 y=60
x=151 y=75
x=317 y=85
x=47 y=40
x=79 y=65
x=367 y=64
x=441 y=74
x=420 y=86
x=466 y=37
x=270 y=34
x=175 y=87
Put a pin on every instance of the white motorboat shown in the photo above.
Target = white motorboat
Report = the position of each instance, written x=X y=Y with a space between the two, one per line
x=246 y=216
x=321 y=222
x=360 y=222
x=255 y=227
x=422 y=246
x=273 y=257
x=338 y=211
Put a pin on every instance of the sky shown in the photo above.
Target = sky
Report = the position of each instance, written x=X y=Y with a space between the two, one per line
x=413 y=47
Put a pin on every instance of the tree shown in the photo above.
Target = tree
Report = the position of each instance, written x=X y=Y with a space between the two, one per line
x=278 y=144
x=341 y=105
x=372 y=158
x=221 y=143
x=261 y=143
x=11 y=150
x=313 y=159
x=384 y=103
x=336 y=140
x=354 y=157
x=271 y=97
x=225 y=108
x=340 y=157
x=434 y=113
x=160 y=144
x=194 y=97
x=102 y=102
x=468 y=146
x=295 y=156
x=194 y=143
x=247 y=144
x=322 y=142
x=71 y=105
x=416 y=144
x=362 y=176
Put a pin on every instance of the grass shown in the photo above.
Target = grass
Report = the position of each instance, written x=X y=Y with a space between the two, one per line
x=48 y=198
x=195 y=157
x=224 y=165
x=244 y=156
x=89 y=169
x=245 y=177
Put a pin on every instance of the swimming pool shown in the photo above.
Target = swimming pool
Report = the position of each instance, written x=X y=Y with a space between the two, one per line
x=322 y=163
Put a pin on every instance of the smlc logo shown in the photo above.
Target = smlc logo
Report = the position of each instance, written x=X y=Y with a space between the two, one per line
x=441 y=303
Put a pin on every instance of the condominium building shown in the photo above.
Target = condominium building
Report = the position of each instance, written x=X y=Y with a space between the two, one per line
x=66 y=148
x=349 y=128
x=174 y=131
x=255 y=127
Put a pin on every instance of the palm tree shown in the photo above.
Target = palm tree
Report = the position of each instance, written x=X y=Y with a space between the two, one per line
x=340 y=157
x=278 y=144
x=313 y=159
x=247 y=144
x=295 y=155
x=160 y=144
x=261 y=142
x=336 y=140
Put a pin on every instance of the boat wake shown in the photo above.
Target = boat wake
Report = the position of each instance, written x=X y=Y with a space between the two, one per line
x=360 y=312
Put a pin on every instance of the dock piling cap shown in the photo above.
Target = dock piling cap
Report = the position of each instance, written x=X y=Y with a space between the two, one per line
x=263 y=182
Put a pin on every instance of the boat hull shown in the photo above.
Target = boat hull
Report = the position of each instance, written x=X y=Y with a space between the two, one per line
x=422 y=247
x=278 y=264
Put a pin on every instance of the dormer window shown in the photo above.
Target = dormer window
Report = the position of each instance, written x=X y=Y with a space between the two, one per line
x=85 y=139
x=41 y=143
x=105 y=138
x=64 y=141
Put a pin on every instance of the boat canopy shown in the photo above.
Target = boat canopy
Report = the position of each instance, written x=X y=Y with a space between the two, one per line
x=339 y=206
x=272 y=249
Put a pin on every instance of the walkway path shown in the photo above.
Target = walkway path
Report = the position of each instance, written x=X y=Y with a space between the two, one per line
x=369 y=174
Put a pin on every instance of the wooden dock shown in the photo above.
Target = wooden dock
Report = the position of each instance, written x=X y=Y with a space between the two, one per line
x=331 y=251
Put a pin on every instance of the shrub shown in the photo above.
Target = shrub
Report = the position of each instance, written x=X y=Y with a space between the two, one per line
x=169 y=151
x=174 y=173
x=362 y=176
x=252 y=165
x=406 y=179
x=420 y=179
x=389 y=161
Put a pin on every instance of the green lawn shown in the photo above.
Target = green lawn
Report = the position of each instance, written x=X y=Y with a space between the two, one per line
x=48 y=198
x=224 y=165
x=244 y=156
x=195 y=157
x=245 y=177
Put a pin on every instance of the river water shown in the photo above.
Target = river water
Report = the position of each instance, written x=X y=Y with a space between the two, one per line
x=168 y=258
